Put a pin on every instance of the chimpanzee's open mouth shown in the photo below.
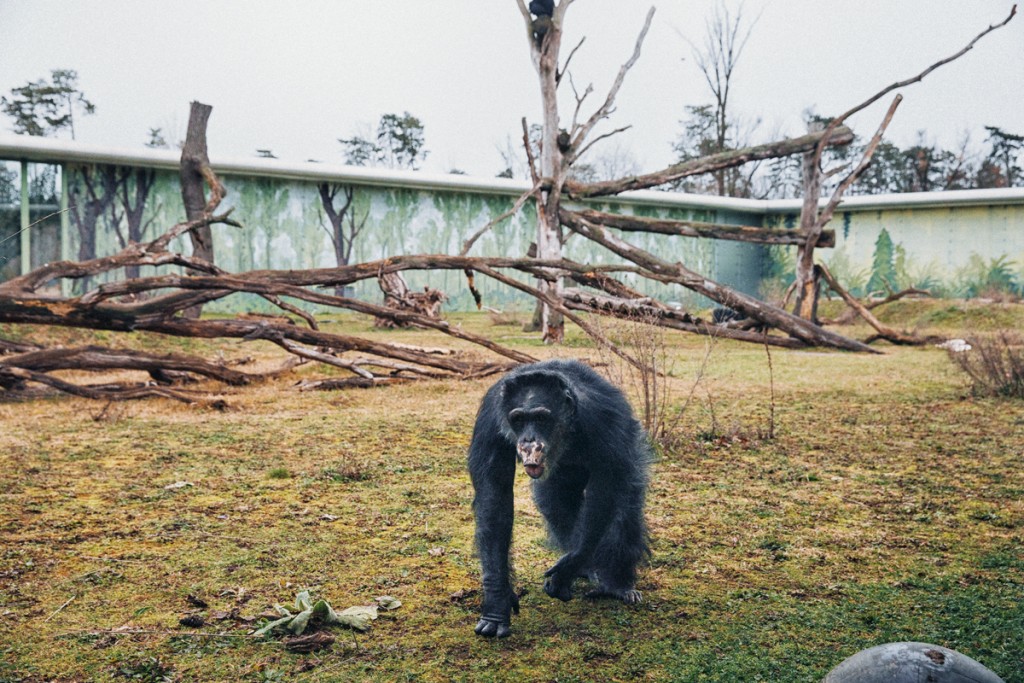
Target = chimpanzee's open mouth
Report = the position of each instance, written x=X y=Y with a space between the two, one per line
x=534 y=471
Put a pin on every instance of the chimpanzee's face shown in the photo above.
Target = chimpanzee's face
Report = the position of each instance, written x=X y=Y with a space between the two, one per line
x=538 y=415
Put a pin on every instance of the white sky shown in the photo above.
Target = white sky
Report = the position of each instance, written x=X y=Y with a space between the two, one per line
x=295 y=76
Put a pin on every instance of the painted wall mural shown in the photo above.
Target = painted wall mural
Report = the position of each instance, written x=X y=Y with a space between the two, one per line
x=961 y=251
x=292 y=224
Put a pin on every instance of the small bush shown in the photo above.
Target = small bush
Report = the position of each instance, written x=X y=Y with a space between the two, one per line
x=994 y=363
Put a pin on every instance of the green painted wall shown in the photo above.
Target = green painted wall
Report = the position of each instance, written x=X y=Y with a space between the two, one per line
x=953 y=250
x=285 y=227
x=961 y=251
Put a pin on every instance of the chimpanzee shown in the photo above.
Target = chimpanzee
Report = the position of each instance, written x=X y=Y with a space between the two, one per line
x=542 y=8
x=720 y=315
x=588 y=457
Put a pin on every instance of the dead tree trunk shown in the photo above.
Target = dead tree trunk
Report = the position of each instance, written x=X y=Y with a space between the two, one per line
x=544 y=49
x=398 y=297
x=194 y=171
x=811 y=220
x=807 y=279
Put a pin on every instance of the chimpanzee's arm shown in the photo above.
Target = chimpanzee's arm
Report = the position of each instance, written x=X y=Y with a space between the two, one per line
x=599 y=507
x=492 y=463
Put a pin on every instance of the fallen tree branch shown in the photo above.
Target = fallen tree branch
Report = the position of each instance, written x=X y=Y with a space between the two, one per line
x=95 y=358
x=708 y=164
x=14 y=375
x=244 y=282
x=7 y=346
x=348 y=383
x=676 y=273
x=851 y=314
x=150 y=254
x=884 y=331
x=656 y=315
x=722 y=231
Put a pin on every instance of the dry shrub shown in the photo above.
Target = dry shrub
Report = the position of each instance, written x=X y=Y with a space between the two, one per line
x=994 y=364
x=646 y=382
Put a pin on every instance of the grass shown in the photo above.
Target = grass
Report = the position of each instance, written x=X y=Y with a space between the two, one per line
x=890 y=506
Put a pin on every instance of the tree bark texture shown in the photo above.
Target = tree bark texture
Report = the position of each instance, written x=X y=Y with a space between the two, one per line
x=677 y=273
x=720 y=231
x=549 y=241
x=194 y=170
x=708 y=164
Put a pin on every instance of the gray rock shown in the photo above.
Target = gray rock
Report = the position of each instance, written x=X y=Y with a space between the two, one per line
x=910 y=663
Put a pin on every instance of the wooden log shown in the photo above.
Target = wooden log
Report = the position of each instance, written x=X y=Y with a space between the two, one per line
x=8 y=346
x=95 y=358
x=661 y=270
x=721 y=231
x=848 y=316
x=708 y=164
x=10 y=376
x=590 y=302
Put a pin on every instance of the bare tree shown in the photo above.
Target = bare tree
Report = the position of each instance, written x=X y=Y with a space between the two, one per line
x=714 y=129
x=561 y=147
x=135 y=187
x=345 y=227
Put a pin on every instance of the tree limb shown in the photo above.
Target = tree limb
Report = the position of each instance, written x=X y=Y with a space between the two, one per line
x=738 y=233
x=708 y=164
x=884 y=331
x=677 y=273
x=900 y=84
x=605 y=109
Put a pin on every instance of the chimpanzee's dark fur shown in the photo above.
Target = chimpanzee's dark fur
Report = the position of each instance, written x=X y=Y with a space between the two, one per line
x=588 y=457
x=542 y=8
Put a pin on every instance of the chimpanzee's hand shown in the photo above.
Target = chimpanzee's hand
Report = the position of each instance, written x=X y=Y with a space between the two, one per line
x=497 y=623
x=558 y=580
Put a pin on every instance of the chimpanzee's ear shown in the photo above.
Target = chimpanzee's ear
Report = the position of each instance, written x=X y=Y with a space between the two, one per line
x=570 y=397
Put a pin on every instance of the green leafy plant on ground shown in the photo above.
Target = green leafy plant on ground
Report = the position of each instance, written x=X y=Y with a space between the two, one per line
x=314 y=614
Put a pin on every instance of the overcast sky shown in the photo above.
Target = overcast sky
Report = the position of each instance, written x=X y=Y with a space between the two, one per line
x=295 y=76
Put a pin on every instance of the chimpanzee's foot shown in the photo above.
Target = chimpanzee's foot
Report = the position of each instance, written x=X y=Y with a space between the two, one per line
x=493 y=627
x=496 y=621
